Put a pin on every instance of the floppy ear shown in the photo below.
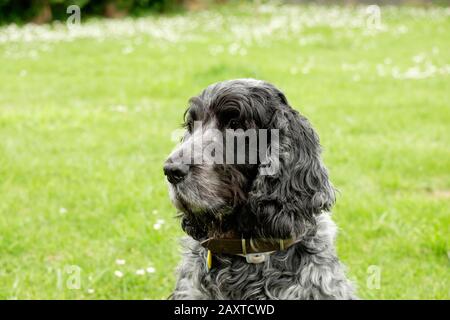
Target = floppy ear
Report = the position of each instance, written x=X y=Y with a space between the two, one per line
x=285 y=201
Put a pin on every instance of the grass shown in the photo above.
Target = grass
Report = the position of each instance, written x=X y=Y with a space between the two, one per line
x=86 y=119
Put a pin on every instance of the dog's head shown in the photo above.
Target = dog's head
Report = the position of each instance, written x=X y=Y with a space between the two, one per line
x=248 y=165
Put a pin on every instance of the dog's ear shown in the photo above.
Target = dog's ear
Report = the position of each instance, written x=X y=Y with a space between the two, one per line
x=293 y=186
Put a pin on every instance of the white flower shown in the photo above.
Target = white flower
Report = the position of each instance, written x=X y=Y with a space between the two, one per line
x=62 y=210
x=120 y=262
x=380 y=70
x=120 y=108
x=118 y=273
x=140 y=272
x=90 y=291
x=157 y=226
x=127 y=50
x=418 y=58
x=150 y=270
x=233 y=48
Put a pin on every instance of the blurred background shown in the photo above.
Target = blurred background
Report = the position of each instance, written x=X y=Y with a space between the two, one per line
x=92 y=92
x=42 y=11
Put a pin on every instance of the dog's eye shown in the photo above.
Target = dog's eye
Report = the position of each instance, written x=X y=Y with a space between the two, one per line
x=233 y=124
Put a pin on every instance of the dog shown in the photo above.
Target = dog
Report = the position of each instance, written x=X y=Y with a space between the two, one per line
x=253 y=233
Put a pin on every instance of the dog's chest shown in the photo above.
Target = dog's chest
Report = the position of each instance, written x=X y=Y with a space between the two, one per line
x=235 y=278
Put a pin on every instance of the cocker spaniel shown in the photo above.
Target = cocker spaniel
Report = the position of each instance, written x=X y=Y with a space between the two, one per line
x=254 y=198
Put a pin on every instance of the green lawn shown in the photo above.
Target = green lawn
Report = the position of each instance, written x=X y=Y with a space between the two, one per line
x=86 y=119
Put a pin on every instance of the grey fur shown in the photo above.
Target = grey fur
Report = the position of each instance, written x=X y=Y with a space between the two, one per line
x=234 y=201
x=294 y=274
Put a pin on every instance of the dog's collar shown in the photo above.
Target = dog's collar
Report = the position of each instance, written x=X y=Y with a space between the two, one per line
x=246 y=246
x=254 y=250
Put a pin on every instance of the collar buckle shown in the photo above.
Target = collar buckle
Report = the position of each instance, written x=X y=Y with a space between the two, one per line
x=256 y=258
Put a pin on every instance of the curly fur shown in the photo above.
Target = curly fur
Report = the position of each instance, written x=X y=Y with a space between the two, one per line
x=240 y=201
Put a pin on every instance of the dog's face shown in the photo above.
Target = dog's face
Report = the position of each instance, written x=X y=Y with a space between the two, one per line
x=215 y=174
x=201 y=177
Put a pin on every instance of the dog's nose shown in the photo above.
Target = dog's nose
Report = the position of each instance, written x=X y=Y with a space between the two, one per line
x=176 y=172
